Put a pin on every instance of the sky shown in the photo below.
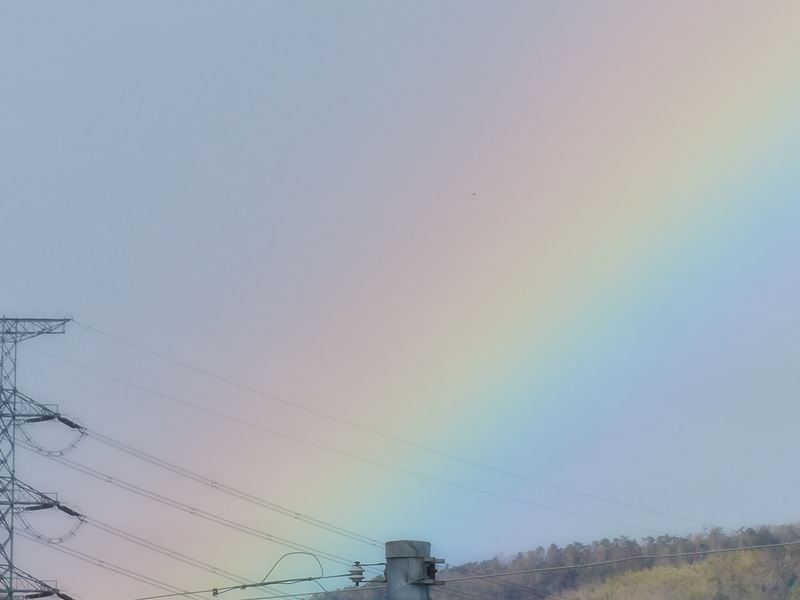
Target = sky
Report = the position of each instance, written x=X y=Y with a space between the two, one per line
x=491 y=275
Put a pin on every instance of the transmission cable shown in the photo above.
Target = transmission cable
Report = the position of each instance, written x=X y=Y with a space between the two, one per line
x=382 y=434
x=115 y=568
x=627 y=559
x=364 y=459
x=309 y=594
x=457 y=593
x=490 y=576
x=198 y=478
x=230 y=490
x=221 y=590
x=164 y=551
x=288 y=554
x=522 y=588
x=135 y=489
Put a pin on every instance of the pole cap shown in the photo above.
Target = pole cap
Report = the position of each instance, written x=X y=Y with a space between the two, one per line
x=408 y=549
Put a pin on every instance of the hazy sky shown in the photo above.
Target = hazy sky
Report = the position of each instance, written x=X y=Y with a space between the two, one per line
x=557 y=239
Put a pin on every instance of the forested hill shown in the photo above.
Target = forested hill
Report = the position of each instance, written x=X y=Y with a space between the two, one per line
x=770 y=574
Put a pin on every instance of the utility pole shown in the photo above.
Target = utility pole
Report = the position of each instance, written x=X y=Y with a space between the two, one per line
x=410 y=570
x=15 y=583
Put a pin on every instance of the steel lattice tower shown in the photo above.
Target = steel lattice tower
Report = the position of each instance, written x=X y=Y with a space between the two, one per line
x=14 y=582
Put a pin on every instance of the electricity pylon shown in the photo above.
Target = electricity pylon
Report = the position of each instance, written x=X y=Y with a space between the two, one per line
x=15 y=583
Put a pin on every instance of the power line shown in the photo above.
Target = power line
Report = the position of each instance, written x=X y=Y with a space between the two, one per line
x=343 y=453
x=177 y=505
x=387 y=436
x=306 y=595
x=458 y=594
x=130 y=537
x=112 y=567
x=628 y=559
x=287 y=555
x=523 y=588
x=164 y=551
x=221 y=590
x=193 y=476
x=230 y=490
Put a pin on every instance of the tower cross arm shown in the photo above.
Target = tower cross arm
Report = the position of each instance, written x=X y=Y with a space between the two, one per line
x=23 y=329
x=31 y=587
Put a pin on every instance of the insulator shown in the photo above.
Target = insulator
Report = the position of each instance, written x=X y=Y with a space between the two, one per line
x=357 y=573
x=42 y=419
x=70 y=423
x=68 y=511
x=81 y=521
x=39 y=449
x=43 y=506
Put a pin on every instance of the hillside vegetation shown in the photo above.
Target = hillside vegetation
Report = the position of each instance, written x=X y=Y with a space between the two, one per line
x=771 y=574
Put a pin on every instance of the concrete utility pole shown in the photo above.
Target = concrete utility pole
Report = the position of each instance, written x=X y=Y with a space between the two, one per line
x=410 y=570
